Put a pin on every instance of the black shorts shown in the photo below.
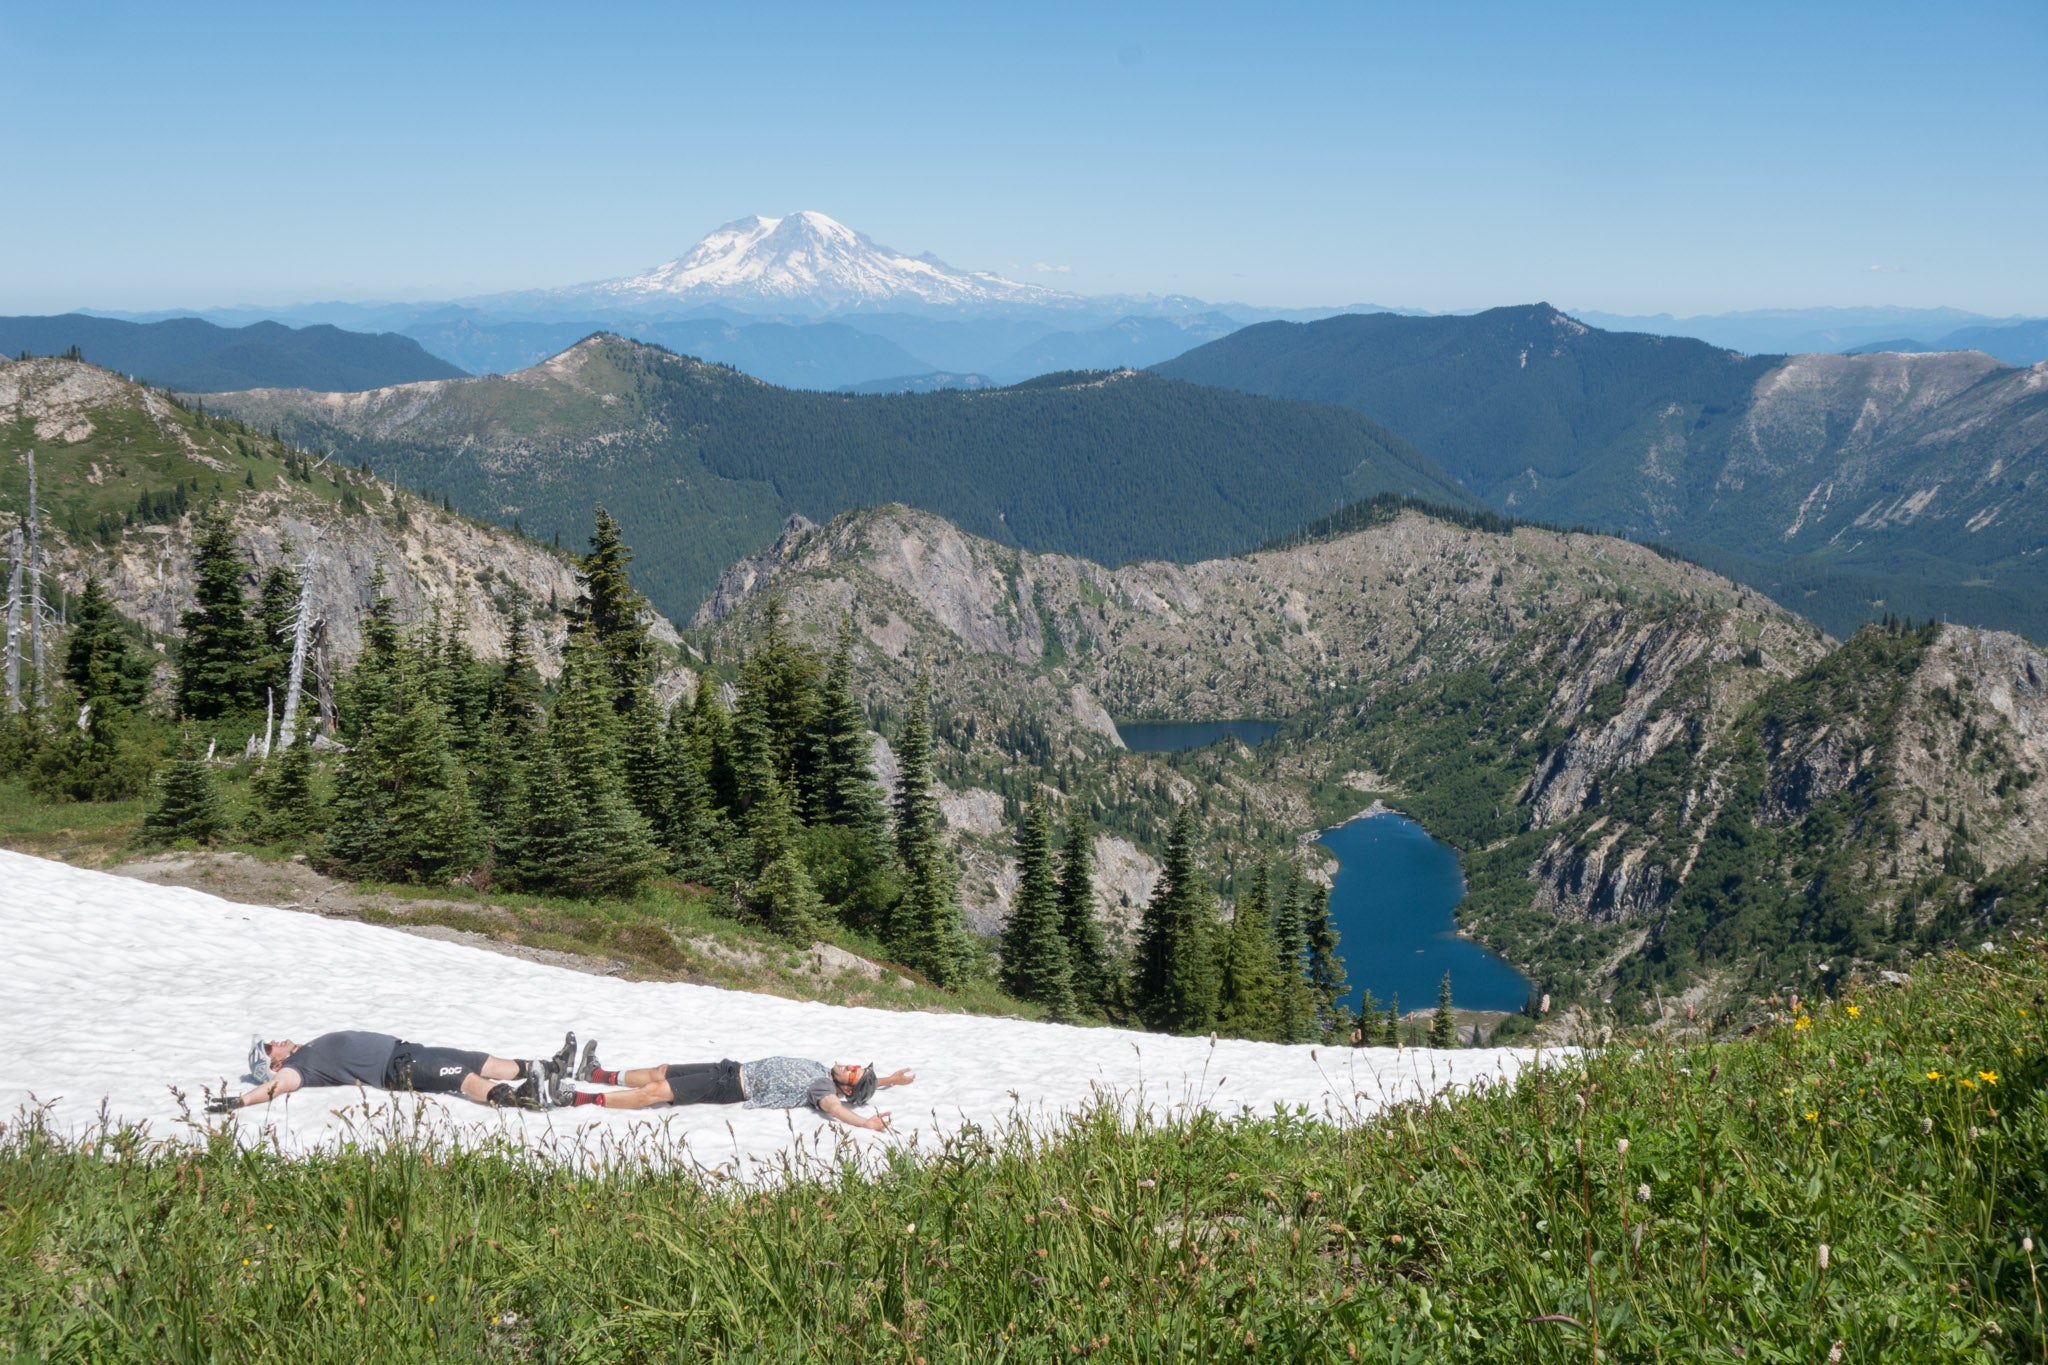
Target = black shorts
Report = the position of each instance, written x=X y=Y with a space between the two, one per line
x=704 y=1082
x=431 y=1070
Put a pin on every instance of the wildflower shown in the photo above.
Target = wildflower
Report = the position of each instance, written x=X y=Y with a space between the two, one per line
x=1854 y=1012
x=1622 y=1146
x=1926 y=1127
x=2027 y=1245
x=1822 y=1255
x=1643 y=1193
x=1966 y=1083
x=430 y=1298
x=1988 y=1077
x=1813 y=1116
x=1934 y=1075
x=910 y=1229
x=1802 y=1022
x=1835 y=1353
x=1147 y=1184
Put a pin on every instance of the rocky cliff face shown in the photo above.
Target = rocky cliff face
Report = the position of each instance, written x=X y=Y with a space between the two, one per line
x=101 y=442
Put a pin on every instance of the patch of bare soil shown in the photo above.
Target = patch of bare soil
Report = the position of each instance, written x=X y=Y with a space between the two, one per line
x=294 y=886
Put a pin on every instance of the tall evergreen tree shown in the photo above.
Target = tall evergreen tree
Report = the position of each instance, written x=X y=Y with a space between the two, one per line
x=1296 y=999
x=1390 y=1027
x=712 y=725
x=1443 y=1024
x=1088 y=960
x=277 y=599
x=1247 y=993
x=402 y=810
x=220 y=657
x=643 y=762
x=613 y=613
x=842 y=759
x=288 y=808
x=696 y=833
x=782 y=898
x=582 y=836
x=188 y=804
x=773 y=724
x=1035 y=964
x=98 y=662
x=1173 y=979
x=1326 y=976
x=927 y=930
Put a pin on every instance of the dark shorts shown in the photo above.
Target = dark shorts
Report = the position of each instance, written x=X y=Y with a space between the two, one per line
x=705 y=1082
x=430 y=1070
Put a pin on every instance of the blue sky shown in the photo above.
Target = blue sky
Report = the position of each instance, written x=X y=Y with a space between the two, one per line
x=1628 y=157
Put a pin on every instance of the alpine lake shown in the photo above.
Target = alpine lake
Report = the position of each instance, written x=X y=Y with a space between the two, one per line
x=1394 y=900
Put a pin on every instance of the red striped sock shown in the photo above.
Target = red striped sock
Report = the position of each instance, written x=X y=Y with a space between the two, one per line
x=587 y=1099
x=603 y=1077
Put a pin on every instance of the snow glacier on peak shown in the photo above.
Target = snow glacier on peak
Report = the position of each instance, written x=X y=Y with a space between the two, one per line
x=809 y=259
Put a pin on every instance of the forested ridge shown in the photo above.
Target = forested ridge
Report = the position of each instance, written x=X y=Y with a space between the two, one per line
x=1848 y=487
x=703 y=464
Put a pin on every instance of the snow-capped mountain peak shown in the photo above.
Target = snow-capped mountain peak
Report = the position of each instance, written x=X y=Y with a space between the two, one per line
x=811 y=262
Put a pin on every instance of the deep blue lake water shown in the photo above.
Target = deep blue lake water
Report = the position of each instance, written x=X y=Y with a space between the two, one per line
x=1393 y=903
x=1168 y=736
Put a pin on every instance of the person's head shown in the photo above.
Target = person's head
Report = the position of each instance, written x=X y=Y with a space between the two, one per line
x=856 y=1083
x=267 y=1055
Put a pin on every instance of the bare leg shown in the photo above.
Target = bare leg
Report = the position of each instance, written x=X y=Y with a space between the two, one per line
x=645 y=1094
x=499 y=1069
x=643 y=1075
x=477 y=1088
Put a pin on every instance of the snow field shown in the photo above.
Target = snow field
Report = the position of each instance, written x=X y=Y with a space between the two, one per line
x=114 y=991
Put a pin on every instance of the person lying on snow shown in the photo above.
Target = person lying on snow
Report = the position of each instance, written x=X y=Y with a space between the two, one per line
x=384 y=1062
x=770 y=1083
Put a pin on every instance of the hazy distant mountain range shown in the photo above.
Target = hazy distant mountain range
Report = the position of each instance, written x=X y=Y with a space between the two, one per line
x=199 y=357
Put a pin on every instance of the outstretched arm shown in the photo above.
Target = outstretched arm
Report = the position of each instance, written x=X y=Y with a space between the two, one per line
x=904 y=1077
x=834 y=1107
x=283 y=1083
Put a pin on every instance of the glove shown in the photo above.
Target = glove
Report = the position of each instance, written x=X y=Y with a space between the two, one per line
x=223 y=1104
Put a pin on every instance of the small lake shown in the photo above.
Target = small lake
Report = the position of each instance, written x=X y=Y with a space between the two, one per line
x=1171 y=736
x=1394 y=906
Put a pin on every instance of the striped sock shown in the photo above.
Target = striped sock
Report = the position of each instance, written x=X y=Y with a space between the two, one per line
x=587 y=1099
x=603 y=1077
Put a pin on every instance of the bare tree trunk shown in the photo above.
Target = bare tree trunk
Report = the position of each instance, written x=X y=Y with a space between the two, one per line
x=302 y=630
x=14 y=556
x=35 y=585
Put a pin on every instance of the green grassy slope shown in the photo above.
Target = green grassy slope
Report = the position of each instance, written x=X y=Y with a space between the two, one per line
x=701 y=464
x=1860 y=1180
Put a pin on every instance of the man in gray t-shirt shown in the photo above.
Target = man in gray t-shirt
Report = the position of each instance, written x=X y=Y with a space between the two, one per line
x=770 y=1083
x=385 y=1062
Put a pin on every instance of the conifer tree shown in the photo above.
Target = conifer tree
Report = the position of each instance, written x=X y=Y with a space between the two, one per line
x=277 y=598
x=463 y=684
x=842 y=758
x=220 y=657
x=188 y=804
x=1296 y=1000
x=712 y=726
x=1035 y=964
x=1173 y=980
x=515 y=698
x=98 y=662
x=1443 y=1024
x=643 y=754
x=613 y=613
x=773 y=723
x=288 y=807
x=1326 y=975
x=402 y=810
x=927 y=930
x=696 y=834
x=1247 y=994
x=1088 y=962
x=1390 y=1027
x=782 y=898
x=582 y=836
x=102 y=756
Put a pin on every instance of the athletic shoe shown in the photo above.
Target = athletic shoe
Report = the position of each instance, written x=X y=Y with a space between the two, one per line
x=589 y=1062
x=505 y=1096
x=559 y=1064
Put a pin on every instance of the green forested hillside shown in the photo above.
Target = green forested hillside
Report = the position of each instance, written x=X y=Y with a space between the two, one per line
x=702 y=464
x=1848 y=487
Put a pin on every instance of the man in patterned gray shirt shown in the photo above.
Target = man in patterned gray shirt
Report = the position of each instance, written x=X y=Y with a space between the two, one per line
x=770 y=1083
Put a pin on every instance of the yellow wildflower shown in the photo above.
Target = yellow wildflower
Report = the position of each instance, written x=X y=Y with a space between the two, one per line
x=1813 y=1116
x=1966 y=1082
x=1802 y=1022
x=1934 y=1075
x=1854 y=1012
x=1988 y=1077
